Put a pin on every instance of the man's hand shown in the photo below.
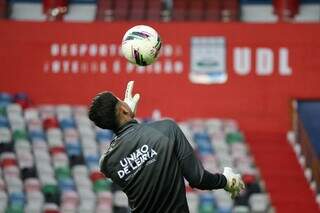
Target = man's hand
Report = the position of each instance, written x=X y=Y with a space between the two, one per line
x=131 y=101
x=234 y=182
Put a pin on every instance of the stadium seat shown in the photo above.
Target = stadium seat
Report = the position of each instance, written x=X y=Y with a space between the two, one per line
x=154 y=10
x=121 y=9
x=197 y=10
x=259 y=202
x=49 y=156
x=212 y=10
x=180 y=10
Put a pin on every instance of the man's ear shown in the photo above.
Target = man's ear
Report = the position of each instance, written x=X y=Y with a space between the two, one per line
x=124 y=109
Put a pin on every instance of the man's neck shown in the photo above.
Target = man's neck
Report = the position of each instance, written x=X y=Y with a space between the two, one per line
x=124 y=125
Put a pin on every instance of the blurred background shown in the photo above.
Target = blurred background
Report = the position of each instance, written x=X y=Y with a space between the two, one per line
x=241 y=77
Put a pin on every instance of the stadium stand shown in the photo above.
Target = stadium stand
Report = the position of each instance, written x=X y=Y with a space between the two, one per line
x=162 y=10
x=49 y=162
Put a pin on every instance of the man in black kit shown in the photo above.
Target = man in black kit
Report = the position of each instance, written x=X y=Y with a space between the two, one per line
x=150 y=161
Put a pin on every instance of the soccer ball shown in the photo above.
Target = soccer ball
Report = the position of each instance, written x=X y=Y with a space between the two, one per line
x=141 y=45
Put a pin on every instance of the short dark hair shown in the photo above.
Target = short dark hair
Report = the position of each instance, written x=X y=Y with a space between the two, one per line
x=103 y=111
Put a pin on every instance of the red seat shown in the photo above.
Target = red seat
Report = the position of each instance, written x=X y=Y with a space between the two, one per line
x=60 y=5
x=4 y=9
x=180 y=10
x=57 y=150
x=105 y=10
x=138 y=10
x=8 y=162
x=230 y=10
x=121 y=9
x=213 y=10
x=96 y=175
x=286 y=9
x=197 y=10
x=154 y=9
x=50 y=123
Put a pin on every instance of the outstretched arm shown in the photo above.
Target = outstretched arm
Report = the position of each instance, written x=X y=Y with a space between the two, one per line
x=196 y=175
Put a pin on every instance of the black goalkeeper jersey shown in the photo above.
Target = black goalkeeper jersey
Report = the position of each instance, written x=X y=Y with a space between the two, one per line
x=149 y=163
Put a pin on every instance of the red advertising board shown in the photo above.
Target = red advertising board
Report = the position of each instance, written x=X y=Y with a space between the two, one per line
x=264 y=66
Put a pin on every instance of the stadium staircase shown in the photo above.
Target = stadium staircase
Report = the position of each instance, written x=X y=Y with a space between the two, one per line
x=282 y=173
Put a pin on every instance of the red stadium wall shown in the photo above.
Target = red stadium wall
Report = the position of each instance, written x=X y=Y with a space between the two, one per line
x=71 y=62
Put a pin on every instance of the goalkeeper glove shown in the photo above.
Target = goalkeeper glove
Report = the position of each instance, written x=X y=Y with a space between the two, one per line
x=128 y=99
x=234 y=182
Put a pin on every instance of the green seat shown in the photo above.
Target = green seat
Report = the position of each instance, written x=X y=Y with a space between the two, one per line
x=51 y=192
x=14 y=208
x=101 y=185
x=50 y=189
x=19 y=134
x=62 y=173
x=3 y=111
x=235 y=137
x=207 y=208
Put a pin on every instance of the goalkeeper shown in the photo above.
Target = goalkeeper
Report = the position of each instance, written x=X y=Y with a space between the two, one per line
x=150 y=161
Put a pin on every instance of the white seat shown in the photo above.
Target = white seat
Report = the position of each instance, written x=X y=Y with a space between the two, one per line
x=14 y=109
x=44 y=167
x=24 y=157
x=32 y=208
x=5 y=134
x=3 y=200
x=105 y=198
x=230 y=125
x=35 y=197
x=47 y=179
x=22 y=145
x=54 y=133
x=193 y=201
x=86 y=207
x=54 y=142
x=259 y=202
x=40 y=145
x=89 y=150
x=120 y=199
x=241 y=209
x=7 y=155
x=2 y=184
x=71 y=134
x=50 y=206
x=80 y=110
x=223 y=199
x=87 y=195
x=11 y=172
x=14 y=185
x=31 y=114
x=80 y=170
x=42 y=156
x=13 y=117
x=104 y=208
x=60 y=160
x=32 y=184
x=70 y=197
x=68 y=208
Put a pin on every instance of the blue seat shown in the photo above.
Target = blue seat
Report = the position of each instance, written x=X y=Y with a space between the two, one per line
x=17 y=198
x=92 y=161
x=5 y=97
x=103 y=135
x=21 y=96
x=224 y=210
x=66 y=185
x=37 y=135
x=67 y=123
x=207 y=203
x=73 y=149
x=4 y=121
